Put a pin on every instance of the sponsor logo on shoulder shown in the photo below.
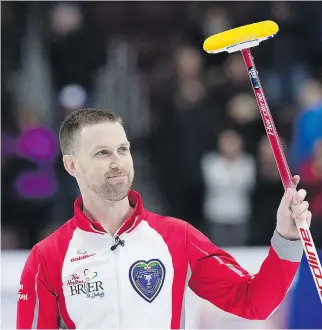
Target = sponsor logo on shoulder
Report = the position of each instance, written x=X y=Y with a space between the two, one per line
x=85 y=256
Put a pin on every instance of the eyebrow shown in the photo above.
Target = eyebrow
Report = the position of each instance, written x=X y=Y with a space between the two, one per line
x=104 y=146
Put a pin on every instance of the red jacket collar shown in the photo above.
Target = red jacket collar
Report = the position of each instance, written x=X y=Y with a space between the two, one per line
x=92 y=226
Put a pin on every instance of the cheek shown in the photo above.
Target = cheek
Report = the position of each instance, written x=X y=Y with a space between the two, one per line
x=89 y=168
x=98 y=169
x=129 y=164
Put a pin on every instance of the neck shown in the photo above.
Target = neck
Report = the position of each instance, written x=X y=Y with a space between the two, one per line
x=111 y=215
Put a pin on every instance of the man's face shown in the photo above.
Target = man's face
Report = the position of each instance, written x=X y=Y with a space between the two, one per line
x=103 y=162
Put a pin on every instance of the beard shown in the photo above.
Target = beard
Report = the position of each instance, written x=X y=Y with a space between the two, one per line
x=113 y=189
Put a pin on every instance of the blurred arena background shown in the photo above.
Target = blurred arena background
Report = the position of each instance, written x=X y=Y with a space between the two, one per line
x=199 y=146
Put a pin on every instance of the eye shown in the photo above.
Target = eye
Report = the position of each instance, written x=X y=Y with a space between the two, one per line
x=101 y=153
x=123 y=149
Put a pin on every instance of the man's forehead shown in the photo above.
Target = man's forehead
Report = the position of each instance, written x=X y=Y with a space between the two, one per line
x=105 y=133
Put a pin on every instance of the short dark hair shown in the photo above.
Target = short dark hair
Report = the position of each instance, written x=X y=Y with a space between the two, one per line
x=78 y=119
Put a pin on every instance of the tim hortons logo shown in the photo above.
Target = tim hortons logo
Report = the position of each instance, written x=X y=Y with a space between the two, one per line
x=312 y=258
x=82 y=257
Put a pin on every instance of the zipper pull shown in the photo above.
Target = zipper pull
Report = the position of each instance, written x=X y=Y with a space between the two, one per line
x=118 y=242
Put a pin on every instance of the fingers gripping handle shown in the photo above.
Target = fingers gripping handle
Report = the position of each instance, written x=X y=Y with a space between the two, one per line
x=284 y=171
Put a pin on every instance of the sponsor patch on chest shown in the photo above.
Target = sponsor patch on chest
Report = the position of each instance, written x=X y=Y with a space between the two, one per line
x=87 y=284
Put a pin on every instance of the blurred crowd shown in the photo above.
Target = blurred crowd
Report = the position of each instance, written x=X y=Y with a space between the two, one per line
x=195 y=127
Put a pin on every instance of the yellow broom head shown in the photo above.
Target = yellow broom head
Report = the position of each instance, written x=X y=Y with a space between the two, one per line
x=240 y=38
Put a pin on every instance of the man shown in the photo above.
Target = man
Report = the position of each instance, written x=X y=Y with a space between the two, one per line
x=117 y=265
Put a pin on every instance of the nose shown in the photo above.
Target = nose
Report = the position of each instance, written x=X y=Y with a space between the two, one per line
x=116 y=162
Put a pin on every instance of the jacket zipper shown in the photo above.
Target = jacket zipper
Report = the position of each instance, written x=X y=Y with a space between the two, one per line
x=118 y=287
x=118 y=284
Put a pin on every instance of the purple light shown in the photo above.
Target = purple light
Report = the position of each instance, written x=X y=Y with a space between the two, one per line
x=38 y=185
x=39 y=144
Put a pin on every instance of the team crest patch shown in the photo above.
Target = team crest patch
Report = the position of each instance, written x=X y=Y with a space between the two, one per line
x=147 y=278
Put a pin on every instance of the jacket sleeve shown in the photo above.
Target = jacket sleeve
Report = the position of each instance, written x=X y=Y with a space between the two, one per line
x=37 y=307
x=217 y=277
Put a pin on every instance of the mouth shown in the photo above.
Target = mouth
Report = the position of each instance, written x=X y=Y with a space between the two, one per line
x=117 y=176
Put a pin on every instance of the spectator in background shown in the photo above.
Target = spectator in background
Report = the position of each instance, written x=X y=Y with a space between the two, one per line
x=216 y=19
x=288 y=57
x=76 y=49
x=228 y=99
x=179 y=115
x=229 y=177
x=243 y=113
x=202 y=20
x=266 y=194
x=308 y=125
x=225 y=82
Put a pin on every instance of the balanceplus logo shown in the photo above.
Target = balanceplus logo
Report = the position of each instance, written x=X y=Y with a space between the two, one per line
x=82 y=257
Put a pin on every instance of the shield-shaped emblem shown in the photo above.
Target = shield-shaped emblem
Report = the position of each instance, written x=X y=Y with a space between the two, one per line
x=147 y=278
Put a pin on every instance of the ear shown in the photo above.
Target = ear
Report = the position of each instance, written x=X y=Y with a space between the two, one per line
x=69 y=164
